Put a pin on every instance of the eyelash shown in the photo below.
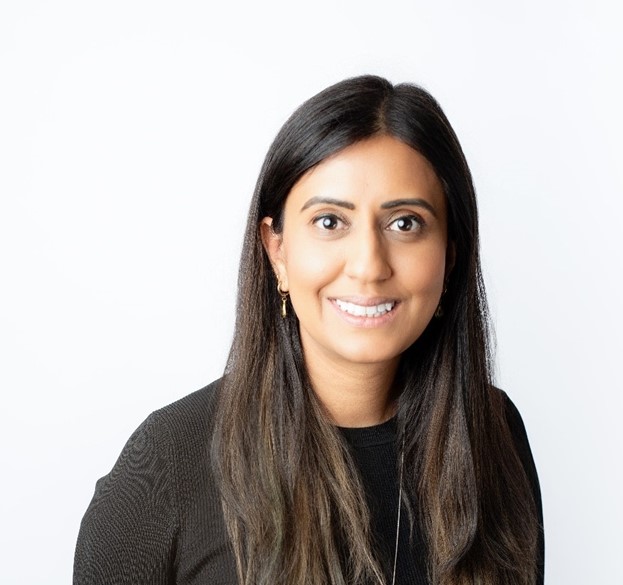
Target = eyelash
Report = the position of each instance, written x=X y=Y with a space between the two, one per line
x=325 y=216
x=412 y=217
x=415 y=219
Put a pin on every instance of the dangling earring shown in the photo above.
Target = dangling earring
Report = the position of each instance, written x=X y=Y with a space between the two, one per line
x=439 y=311
x=284 y=299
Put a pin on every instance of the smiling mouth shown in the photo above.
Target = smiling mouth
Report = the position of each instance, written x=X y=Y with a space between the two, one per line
x=365 y=311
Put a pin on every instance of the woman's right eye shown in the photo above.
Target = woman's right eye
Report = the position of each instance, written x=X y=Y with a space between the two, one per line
x=327 y=221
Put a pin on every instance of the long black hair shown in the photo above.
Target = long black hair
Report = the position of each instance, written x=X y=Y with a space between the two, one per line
x=292 y=500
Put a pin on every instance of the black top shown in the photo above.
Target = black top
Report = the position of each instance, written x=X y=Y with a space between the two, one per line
x=375 y=453
x=156 y=518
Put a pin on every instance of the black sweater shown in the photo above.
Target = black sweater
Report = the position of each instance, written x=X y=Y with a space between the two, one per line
x=156 y=518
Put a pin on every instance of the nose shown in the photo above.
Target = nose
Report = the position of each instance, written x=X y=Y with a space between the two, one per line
x=367 y=258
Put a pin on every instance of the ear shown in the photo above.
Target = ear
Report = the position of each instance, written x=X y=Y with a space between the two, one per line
x=273 y=244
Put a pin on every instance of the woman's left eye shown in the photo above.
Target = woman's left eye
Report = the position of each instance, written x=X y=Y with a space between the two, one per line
x=406 y=223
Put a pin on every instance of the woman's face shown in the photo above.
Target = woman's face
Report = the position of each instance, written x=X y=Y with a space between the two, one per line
x=363 y=252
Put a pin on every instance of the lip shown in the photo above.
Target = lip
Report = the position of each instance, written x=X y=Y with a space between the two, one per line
x=365 y=322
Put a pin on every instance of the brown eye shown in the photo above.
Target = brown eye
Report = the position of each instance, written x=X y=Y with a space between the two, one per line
x=406 y=223
x=327 y=222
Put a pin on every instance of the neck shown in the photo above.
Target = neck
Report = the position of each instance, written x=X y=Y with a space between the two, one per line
x=359 y=395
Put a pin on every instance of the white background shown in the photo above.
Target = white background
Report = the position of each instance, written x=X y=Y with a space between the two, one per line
x=131 y=134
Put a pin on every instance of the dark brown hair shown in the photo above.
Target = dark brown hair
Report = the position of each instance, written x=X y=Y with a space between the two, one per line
x=293 y=503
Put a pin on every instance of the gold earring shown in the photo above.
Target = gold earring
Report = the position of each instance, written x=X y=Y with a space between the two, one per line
x=284 y=298
x=439 y=310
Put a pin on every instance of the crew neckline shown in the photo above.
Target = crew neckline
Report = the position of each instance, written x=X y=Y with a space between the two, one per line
x=380 y=434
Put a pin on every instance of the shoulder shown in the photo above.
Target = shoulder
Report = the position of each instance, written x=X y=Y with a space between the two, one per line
x=190 y=416
x=202 y=401
x=522 y=445
x=184 y=429
x=173 y=436
x=516 y=426
x=146 y=507
x=165 y=441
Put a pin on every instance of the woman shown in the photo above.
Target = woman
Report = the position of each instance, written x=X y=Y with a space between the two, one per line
x=355 y=436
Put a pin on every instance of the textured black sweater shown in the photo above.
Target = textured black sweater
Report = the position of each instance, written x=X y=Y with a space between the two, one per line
x=156 y=518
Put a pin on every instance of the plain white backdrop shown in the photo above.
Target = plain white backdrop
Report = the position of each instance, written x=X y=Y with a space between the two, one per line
x=131 y=134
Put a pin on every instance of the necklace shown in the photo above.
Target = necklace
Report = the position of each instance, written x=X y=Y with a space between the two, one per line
x=402 y=461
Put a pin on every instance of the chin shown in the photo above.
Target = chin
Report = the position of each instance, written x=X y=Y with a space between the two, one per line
x=369 y=356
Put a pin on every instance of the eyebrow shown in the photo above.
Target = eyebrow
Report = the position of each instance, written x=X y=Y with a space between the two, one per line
x=387 y=205
x=417 y=202
x=329 y=201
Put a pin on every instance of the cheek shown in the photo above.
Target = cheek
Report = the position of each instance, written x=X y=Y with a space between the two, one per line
x=423 y=272
x=308 y=265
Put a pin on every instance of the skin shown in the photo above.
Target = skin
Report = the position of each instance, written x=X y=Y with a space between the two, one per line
x=366 y=226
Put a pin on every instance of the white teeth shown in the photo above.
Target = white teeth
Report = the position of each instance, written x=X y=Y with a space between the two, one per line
x=361 y=311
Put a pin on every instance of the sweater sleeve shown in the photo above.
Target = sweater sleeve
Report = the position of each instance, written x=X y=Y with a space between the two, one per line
x=518 y=431
x=128 y=533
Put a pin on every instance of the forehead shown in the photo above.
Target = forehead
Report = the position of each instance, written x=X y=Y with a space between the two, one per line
x=371 y=171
